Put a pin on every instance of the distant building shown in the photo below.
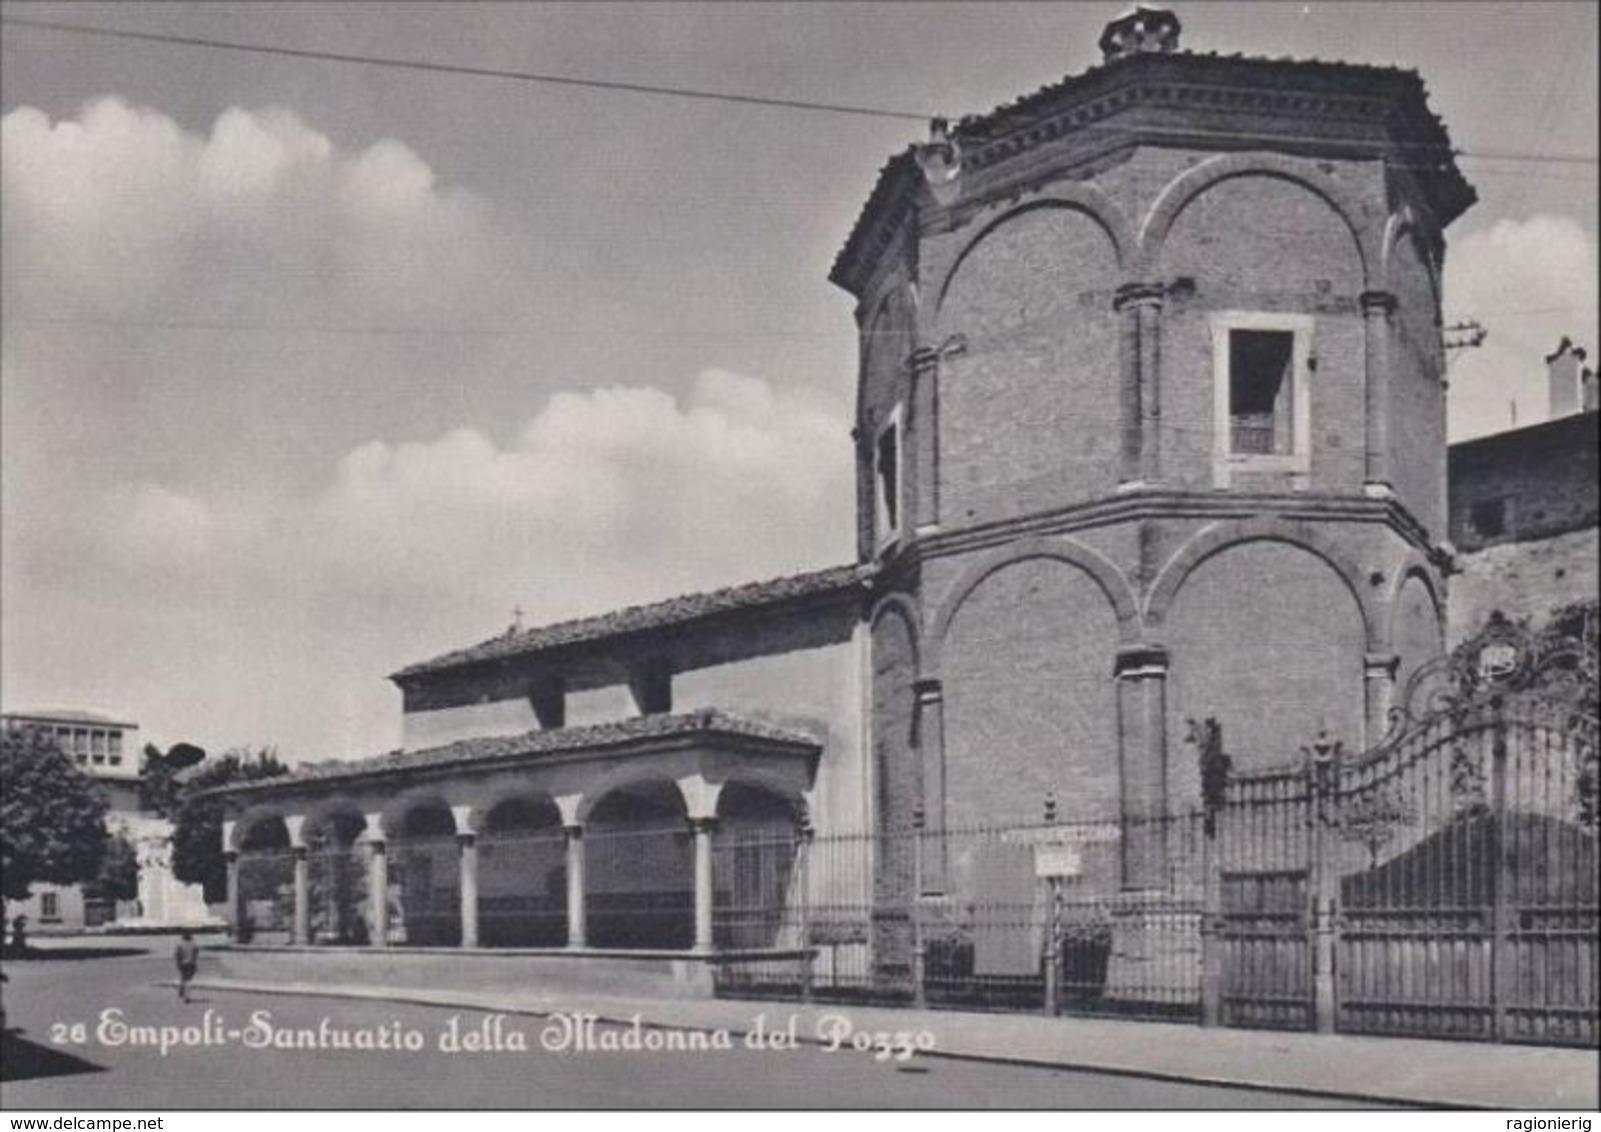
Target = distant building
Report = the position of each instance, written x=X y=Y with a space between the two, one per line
x=1524 y=508
x=107 y=749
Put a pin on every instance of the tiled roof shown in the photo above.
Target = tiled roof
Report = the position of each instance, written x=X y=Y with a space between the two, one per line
x=636 y=618
x=566 y=739
x=899 y=175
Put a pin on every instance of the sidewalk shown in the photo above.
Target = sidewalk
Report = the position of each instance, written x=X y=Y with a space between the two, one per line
x=1395 y=1070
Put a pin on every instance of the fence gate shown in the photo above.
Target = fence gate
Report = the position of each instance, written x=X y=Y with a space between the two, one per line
x=1263 y=902
x=1443 y=884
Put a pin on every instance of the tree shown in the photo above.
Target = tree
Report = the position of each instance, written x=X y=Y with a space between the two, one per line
x=52 y=819
x=119 y=871
x=158 y=778
x=197 y=853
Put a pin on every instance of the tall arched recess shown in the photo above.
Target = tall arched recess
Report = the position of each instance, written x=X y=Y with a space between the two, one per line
x=897 y=788
x=1032 y=297
x=897 y=772
x=1258 y=245
x=1415 y=634
x=1267 y=637
x=1026 y=662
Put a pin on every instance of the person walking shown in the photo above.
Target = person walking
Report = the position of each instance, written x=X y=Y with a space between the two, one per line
x=187 y=956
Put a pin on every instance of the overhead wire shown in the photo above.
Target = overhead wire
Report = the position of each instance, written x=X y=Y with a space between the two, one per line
x=462 y=69
x=662 y=90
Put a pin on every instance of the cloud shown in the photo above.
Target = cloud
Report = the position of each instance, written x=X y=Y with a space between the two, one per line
x=1529 y=283
x=620 y=493
x=403 y=550
x=154 y=526
x=242 y=531
x=123 y=212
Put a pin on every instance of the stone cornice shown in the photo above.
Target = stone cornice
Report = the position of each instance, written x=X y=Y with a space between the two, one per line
x=1158 y=503
x=1183 y=99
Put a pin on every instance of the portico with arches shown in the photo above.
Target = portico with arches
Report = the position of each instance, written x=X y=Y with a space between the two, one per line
x=613 y=838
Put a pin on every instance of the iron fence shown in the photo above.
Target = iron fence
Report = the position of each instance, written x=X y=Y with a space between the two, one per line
x=425 y=892
x=522 y=889
x=1443 y=884
x=639 y=888
x=1015 y=918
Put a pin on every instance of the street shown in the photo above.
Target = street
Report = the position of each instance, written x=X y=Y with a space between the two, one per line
x=87 y=1020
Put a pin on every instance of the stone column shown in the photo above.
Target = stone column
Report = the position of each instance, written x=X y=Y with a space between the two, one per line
x=701 y=830
x=1128 y=385
x=1139 y=306
x=931 y=753
x=231 y=856
x=576 y=928
x=1378 y=694
x=1149 y=305
x=467 y=844
x=301 y=934
x=1376 y=309
x=378 y=892
x=924 y=461
x=1142 y=744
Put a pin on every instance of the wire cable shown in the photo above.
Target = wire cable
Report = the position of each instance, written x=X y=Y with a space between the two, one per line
x=458 y=69
x=661 y=90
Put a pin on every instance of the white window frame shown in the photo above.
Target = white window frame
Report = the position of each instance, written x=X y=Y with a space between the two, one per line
x=885 y=533
x=1298 y=461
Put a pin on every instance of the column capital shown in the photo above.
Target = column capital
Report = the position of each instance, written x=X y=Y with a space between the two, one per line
x=573 y=831
x=923 y=360
x=1380 y=665
x=702 y=825
x=1377 y=303
x=928 y=689
x=1138 y=294
x=302 y=852
x=466 y=837
x=230 y=855
x=1135 y=661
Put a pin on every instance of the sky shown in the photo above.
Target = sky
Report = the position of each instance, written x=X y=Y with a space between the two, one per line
x=311 y=370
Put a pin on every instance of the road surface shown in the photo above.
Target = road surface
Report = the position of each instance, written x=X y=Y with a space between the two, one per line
x=87 y=1020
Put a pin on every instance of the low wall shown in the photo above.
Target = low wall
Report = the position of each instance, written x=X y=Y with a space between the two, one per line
x=621 y=973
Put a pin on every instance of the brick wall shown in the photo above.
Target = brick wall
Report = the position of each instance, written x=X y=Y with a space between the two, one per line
x=1543 y=476
x=1266 y=637
x=897 y=772
x=1417 y=396
x=1029 y=415
x=1523 y=579
x=1258 y=243
x=897 y=783
x=1030 y=704
x=888 y=338
x=1416 y=632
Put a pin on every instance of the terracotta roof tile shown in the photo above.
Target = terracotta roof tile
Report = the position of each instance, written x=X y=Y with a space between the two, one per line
x=636 y=618
x=566 y=739
x=898 y=174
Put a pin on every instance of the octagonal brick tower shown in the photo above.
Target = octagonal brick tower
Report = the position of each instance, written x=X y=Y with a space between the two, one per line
x=1150 y=426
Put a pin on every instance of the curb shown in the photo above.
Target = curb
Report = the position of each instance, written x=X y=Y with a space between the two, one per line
x=381 y=994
